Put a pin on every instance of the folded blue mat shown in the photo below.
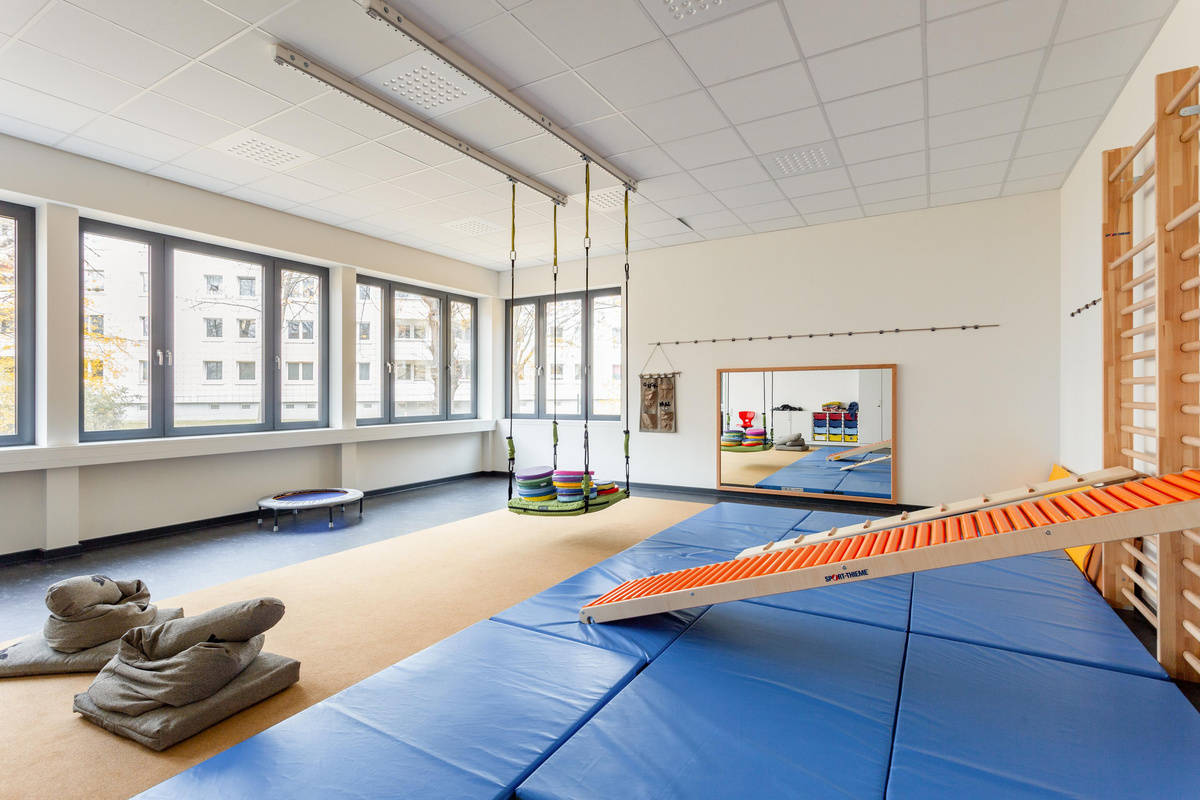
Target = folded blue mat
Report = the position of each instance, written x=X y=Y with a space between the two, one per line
x=879 y=601
x=469 y=717
x=1031 y=604
x=733 y=529
x=987 y=724
x=750 y=702
x=824 y=520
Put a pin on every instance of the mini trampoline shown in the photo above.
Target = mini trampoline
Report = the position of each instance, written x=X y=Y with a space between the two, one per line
x=305 y=499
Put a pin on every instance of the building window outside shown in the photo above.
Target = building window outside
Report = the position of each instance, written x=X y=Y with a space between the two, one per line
x=213 y=283
x=214 y=327
x=247 y=287
x=247 y=370
x=213 y=370
x=247 y=328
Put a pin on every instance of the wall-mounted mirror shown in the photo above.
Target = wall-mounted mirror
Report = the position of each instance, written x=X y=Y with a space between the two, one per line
x=808 y=431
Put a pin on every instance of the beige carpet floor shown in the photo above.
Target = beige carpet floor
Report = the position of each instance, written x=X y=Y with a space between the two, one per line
x=747 y=469
x=349 y=615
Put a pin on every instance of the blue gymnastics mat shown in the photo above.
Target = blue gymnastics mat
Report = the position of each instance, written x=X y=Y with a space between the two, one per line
x=1031 y=604
x=733 y=526
x=881 y=601
x=751 y=701
x=987 y=724
x=469 y=717
x=817 y=474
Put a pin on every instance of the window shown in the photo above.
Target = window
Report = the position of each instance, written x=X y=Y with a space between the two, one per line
x=95 y=324
x=300 y=329
x=422 y=364
x=562 y=355
x=300 y=370
x=178 y=332
x=145 y=283
x=93 y=280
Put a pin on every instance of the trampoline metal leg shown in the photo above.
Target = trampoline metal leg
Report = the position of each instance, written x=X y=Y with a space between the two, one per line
x=331 y=516
x=275 y=527
x=360 y=502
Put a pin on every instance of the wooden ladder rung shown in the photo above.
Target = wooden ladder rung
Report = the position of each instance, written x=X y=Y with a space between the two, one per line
x=1140 y=406
x=1190 y=314
x=1192 y=536
x=1192 y=629
x=1128 y=159
x=1190 y=377
x=1139 y=305
x=1192 y=659
x=1183 y=216
x=1190 y=410
x=1139 y=330
x=1192 y=598
x=1138 y=280
x=1137 y=603
x=1149 y=458
x=1136 y=431
x=1133 y=251
x=1139 y=554
x=1139 y=381
x=1191 y=566
x=1187 y=135
x=1191 y=252
x=1190 y=441
x=1141 y=355
x=1140 y=581
x=1138 y=184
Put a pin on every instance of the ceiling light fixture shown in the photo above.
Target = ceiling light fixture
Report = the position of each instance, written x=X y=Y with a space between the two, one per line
x=295 y=59
x=384 y=12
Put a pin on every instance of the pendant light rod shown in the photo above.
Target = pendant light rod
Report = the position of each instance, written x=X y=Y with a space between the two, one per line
x=384 y=12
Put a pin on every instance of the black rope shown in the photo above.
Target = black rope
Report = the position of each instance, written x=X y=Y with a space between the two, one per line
x=585 y=481
x=625 y=337
x=512 y=389
x=554 y=361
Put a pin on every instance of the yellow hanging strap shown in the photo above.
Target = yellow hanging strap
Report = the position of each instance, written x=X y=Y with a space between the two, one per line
x=514 y=218
x=625 y=341
x=554 y=358
x=587 y=196
x=512 y=291
x=585 y=482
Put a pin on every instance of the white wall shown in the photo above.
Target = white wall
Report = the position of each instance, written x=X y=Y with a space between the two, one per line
x=1081 y=396
x=976 y=410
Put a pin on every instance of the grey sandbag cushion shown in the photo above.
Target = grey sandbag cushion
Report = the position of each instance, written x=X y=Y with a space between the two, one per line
x=33 y=656
x=159 y=729
x=186 y=660
x=93 y=609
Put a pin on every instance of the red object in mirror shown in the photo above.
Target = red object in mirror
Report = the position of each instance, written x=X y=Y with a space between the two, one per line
x=747 y=418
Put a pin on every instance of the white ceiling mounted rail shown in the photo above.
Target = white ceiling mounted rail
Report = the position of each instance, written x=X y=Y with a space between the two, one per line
x=384 y=12
x=294 y=58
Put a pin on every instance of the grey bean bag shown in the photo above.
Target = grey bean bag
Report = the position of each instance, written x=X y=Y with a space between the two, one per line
x=93 y=609
x=34 y=656
x=170 y=681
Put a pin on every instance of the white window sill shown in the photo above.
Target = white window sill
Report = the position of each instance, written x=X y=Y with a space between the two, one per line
x=84 y=454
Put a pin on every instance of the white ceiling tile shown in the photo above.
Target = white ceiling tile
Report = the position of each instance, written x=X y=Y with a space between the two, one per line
x=622 y=79
x=318 y=214
x=693 y=204
x=965 y=195
x=896 y=206
x=569 y=181
x=251 y=58
x=667 y=187
x=190 y=28
x=891 y=59
x=339 y=109
x=432 y=183
x=717 y=52
x=685 y=115
x=387 y=195
x=969 y=154
x=479 y=201
x=18 y=12
x=753 y=194
x=977 y=123
x=967 y=177
x=42 y=109
x=935 y=9
x=377 y=161
x=677 y=239
x=451 y=16
x=664 y=227
x=906 y=138
x=50 y=73
x=878 y=109
x=340 y=32
x=419 y=146
x=260 y=198
x=645 y=162
x=24 y=129
x=1085 y=17
x=166 y=115
x=893 y=190
x=533 y=155
x=610 y=135
x=730 y=174
x=1102 y=56
x=221 y=166
x=250 y=10
x=765 y=211
x=331 y=175
x=1040 y=184
x=583 y=32
x=1074 y=102
x=174 y=172
x=76 y=34
x=103 y=152
x=567 y=99
x=792 y=129
x=345 y=205
x=994 y=31
x=780 y=224
x=821 y=25
x=488 y=124
x=216 y=93
x=765 y=94
x=726 y=231
x=1044 y=164
x=505 y=49
x=980 y=85
x=713 y=219
x=309 y=132
x=824 y=181
x=888 y=169
x=811 y=204
x=127 y=136
x=1063 y=136
x=477 y=174
x=708 y=148
x=837 y=215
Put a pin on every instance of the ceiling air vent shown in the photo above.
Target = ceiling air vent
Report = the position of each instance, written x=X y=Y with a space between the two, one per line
x=674 y=16
x=262 y=150
x=472 y=226
x=605 y=199
x=424 y=83
x=801 y=160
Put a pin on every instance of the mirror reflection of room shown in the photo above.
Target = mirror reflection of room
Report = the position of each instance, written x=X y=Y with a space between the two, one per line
x=809 y=431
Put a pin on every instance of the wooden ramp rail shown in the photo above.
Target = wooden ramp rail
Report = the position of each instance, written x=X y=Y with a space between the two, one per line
x=1102 y=514
x=863 y=463
x=860 y=450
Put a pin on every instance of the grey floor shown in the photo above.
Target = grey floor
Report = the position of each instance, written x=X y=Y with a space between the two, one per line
x=185 y=562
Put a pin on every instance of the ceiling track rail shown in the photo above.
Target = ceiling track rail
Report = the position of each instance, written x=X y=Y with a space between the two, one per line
x=382 y=11
x=299 y=61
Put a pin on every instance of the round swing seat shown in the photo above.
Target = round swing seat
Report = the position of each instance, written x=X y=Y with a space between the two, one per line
x=741 y=448
x=557 y=508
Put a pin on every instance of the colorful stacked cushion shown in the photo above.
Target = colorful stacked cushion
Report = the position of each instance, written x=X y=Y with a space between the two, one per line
x=732 y=437
x=755 y=437
x=606 y=487
x=534 y=484
x=568 y=483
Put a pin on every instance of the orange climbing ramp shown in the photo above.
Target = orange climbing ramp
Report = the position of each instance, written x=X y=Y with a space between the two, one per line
x=928 y=539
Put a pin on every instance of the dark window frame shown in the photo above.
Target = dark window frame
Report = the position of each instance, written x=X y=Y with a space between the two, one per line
x=26 y=323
